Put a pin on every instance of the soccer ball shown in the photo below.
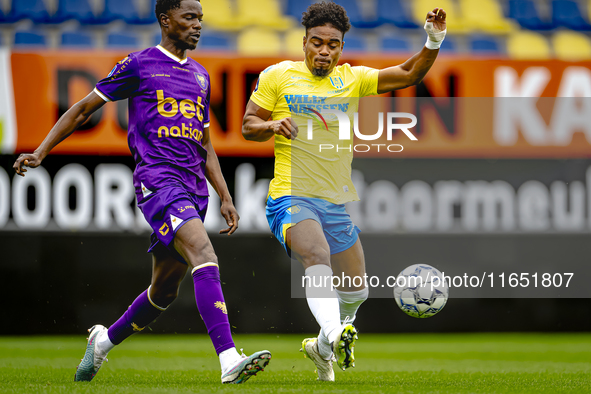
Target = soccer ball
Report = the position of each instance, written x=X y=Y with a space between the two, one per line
x=421 y=291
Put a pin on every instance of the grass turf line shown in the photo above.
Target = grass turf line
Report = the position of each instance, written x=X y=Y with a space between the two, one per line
x=403 y=363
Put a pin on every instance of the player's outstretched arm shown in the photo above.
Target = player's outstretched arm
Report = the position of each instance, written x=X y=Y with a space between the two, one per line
x=414 y=69
x=66 y=125
x=214 y=175
x=256 y=125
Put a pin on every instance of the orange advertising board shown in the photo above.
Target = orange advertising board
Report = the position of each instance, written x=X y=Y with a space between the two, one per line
x=47 y=83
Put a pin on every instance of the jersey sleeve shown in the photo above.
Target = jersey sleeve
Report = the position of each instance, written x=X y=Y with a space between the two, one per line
x=122 y=81
x=265 y=92
x=367 y=78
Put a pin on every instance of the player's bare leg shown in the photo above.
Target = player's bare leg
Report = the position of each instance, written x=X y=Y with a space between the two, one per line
x=167 y=275
x=193 y=244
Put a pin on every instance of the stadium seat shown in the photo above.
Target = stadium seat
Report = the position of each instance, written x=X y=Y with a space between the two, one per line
x=34 y=10
x=79 y=10
x=296 y=8
x=77 y=39
x=526 y=14
x=455 y=21
x=27 y=38
x=486 y=16
x=220 y=15
x=392 y=44
x=394 y=12
x=122 y=40
x=249 y=15
x=449 y=45
x=294 y=42
x=356 y=15
x=484 y=46
x=212 y=40
x=125 y=10
x=571 y=46
x=528 y=45
x=566 y=13
x=259 y=41
x=354 y=42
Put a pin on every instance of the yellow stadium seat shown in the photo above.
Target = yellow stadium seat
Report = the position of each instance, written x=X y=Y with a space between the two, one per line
x=571 y=46
x=219 y=14
x=528 y=45
x=259 y=41
x=487 y=16
x=455 y=20
x=265 y=13
x=294 y=42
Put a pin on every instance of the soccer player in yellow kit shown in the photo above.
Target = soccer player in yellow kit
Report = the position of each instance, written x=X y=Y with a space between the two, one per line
x=305 y=206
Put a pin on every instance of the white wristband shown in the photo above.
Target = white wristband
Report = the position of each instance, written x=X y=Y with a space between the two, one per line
x=430 y=44
x=434 y=36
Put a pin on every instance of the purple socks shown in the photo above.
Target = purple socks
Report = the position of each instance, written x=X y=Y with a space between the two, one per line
x=139 y=314
x=210 y=302
x=211 y=305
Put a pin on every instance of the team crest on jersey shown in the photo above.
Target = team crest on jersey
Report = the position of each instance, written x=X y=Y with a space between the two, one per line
x=201 y=80
x=337 y=82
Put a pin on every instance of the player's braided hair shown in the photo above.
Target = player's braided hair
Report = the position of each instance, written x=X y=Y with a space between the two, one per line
x=163 y=6
x=326 y=12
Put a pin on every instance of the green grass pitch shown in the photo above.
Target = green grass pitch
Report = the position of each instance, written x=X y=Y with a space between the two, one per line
x=402 y=363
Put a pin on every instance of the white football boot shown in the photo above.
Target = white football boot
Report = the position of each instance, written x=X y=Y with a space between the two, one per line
x=323 y=367
x=247 y=367
x=93 y=357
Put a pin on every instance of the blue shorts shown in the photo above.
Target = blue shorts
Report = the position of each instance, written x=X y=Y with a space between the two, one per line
x=286 y=211
x=167 y=210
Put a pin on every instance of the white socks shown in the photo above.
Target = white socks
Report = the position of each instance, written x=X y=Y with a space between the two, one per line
x=349 y=302
x=229 y=358
x=323 y=301
x=103 y=343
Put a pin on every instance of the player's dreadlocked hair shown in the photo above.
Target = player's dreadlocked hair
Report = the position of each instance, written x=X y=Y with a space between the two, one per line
x=327 y=12
x=163 y=6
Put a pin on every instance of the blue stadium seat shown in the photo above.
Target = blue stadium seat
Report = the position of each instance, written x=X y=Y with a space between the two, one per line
x=392 y=11
x=566 y=13
x=79 y=10
x=295 y=8
x=215 y=41
x=77 y=39
x=125 y=10
x=356 y=16
x=484 y=45
x=355 y=42
x=28 y=38
x=2 y=17
x=390 y=44
x=526 y=14
x=122 y=40
x=29 y=9
x=449 y=45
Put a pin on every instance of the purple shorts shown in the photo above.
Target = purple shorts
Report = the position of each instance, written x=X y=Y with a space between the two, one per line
x=167 y=210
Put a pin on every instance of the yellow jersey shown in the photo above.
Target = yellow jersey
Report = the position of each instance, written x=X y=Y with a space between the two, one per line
x=302 y=167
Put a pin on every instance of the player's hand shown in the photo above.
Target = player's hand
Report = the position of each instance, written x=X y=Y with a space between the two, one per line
x=285 y=127
x=26 y=160
x=231 y=215
x=437 y=17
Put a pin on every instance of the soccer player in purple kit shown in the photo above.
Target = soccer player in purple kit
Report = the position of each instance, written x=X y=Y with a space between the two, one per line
x=168 y=137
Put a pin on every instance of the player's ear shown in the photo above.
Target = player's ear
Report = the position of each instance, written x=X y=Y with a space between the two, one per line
x=164 y=20
x=305 y=40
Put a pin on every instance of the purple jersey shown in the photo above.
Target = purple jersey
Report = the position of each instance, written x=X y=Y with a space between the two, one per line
x=168 y=112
